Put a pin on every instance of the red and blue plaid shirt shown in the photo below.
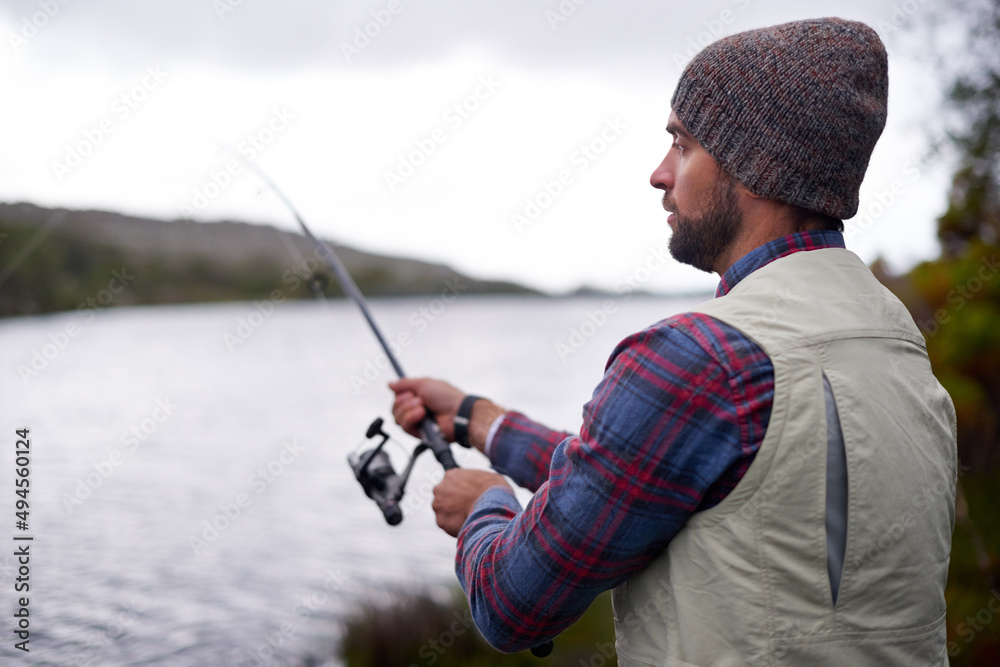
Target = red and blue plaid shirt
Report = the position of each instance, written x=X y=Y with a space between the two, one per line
x=670 y=430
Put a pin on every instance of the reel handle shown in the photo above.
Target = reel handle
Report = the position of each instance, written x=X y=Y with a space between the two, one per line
x=543 y=650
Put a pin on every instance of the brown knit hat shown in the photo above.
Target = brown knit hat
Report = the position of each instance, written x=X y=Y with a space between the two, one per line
x=793 y=111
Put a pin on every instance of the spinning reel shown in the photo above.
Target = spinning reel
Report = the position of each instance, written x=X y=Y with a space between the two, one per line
x=378 y=478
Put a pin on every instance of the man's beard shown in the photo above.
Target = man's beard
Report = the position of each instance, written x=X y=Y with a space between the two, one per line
x=701 y=240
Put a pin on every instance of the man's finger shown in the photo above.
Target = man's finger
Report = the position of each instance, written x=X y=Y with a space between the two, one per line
x=403 y=385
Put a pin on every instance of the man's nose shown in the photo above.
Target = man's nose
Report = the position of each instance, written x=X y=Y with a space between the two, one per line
x=662 y=177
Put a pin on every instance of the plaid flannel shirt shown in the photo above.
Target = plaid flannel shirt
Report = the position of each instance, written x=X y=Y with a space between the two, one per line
x=670 y=430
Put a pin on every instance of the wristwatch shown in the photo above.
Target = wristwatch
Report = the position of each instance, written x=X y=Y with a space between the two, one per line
x=462 y=420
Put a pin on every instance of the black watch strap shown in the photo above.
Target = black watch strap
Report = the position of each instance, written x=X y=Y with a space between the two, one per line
x=462 y=420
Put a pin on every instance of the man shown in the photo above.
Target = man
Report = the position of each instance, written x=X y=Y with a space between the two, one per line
x=768 y=479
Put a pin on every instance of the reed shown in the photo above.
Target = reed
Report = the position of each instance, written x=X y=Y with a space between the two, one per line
x=419 y=629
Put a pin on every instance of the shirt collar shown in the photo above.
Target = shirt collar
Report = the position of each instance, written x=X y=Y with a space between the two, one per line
x=776 y=249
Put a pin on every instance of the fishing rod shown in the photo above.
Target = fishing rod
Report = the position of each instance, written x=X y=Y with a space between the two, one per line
x=372 y=468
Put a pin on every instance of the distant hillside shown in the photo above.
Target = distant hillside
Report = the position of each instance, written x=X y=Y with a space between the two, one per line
x=57 y=259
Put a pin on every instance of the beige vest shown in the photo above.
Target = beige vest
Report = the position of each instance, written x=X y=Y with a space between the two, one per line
x=746 y=582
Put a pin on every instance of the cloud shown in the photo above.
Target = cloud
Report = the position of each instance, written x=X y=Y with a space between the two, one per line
x=369 y=83
x=253 y=35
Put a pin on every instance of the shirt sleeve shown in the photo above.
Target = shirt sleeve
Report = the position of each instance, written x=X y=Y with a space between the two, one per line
x=660 y=439
x=522 y=449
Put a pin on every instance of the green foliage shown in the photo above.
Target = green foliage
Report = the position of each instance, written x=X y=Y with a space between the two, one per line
x=956 y=298
x=960 y=299
x=415 y=629
x=956 y=303
x=52 y=260
x=54 y=272
x=973 y=593
x=974 y=102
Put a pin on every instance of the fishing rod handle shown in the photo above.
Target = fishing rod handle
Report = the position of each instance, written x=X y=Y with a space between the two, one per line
x=432 y=436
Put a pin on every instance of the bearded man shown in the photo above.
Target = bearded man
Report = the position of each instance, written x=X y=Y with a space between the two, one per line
x=768 y=479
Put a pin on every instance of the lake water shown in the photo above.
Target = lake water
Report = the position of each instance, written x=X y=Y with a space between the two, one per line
x=190 y=502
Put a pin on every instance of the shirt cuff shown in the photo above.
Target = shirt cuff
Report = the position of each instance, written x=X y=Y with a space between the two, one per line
x=496 y=507
x=494 y=427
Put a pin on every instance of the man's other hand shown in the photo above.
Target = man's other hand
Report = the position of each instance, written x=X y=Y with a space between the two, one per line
x=458 y=492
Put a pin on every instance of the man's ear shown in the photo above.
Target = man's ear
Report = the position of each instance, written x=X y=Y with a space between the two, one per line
x=743 y=190
x=749 y=201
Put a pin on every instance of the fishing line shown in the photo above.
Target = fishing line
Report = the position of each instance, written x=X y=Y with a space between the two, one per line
x=429 y=429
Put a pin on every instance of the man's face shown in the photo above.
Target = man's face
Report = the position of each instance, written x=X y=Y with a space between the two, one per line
x=702 y=199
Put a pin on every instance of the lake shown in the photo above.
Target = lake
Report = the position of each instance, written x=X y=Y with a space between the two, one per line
x=189 y=500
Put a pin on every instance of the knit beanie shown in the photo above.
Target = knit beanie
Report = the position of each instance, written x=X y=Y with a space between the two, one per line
x=793 y=111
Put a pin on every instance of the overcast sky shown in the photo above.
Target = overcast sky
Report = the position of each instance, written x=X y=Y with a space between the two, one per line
x=510 y=140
